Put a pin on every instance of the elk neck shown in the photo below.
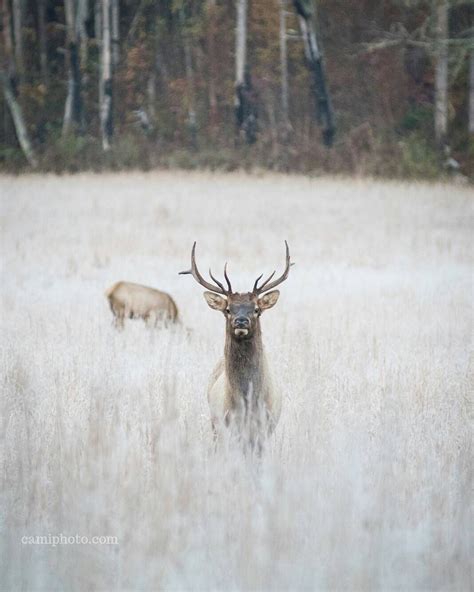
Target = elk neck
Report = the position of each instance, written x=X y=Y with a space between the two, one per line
x=244 y=363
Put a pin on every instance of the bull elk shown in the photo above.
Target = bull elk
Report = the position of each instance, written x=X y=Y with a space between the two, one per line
x=240 y=391
x=132 y=301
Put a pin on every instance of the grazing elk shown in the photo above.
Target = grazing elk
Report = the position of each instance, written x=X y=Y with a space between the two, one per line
x=133 y=301
x=240 y=392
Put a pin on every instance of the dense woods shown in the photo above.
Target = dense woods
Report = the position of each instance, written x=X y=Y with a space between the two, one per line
x=367 y=86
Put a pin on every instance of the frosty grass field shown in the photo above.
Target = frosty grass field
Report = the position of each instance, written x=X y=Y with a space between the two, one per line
x=366 y=484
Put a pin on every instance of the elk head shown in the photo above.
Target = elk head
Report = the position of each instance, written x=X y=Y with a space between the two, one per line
x=242 y=311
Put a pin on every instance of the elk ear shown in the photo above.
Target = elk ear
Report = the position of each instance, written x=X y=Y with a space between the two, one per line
x=215 y=301
x=268 y=300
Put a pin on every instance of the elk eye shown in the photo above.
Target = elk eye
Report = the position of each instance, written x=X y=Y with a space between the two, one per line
x=227 y=310
x=257 y=310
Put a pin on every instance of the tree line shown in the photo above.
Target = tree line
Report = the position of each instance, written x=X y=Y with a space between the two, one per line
x=380 y=87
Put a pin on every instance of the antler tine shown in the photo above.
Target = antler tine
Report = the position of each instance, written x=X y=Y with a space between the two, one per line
x=219 y=288
x=268 y=286
x=229 y=285
x=217 y=281
x=255 y=286
x=266 y=281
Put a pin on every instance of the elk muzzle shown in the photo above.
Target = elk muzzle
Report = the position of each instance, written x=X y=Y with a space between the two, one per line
x=241 y=326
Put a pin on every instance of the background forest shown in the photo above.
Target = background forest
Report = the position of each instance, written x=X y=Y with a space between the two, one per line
x=114 y=84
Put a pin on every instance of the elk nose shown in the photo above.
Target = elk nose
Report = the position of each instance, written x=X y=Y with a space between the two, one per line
x=241 y=323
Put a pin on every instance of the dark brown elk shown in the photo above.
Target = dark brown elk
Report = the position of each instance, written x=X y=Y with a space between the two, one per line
x=132 y=301
x=240 y=393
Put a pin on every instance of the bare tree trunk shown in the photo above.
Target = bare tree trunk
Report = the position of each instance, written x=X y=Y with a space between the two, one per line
x=211 y=52
x=471 y=93
x=73 y=114
x=18 y=36
x=98 y=37
x=106 y=121
x=314 y=58
x=8 y=55
x=98 y=21
x=70 y=36
x=192 y=124
x=81 y=31
x=245 y=98
x=284 y=65
x=151 y=95
x=115 y=34
x=241 y=42
x=18 y=120
x=43 y=43
x=158 y=74
x=441 y=72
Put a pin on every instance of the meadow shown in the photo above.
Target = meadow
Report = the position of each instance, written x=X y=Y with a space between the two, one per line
x=366 y=483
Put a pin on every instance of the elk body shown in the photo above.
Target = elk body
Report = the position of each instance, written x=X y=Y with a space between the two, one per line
x=240 y=393
x=131 y=301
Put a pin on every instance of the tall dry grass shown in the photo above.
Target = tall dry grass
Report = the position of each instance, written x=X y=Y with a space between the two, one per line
x=367 y=481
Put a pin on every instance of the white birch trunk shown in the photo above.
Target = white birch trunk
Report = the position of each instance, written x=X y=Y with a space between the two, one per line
x=98 y=37
x=441 y=72
x=311 y=49
x=70 y=34
x=98 y=22
x=284 y=64
x=43 y=43
x=314 y=59
x=151 y=95
x=73 y=105
x=81 y=30
x=189 y=79
x=18 y=121
x=471 y=93
x=245 y=99
x=8 y=45
x=18 y=35
x=241 y=42
x=211 y=52
x=115 y=34
x=67 y=118
x=106 y=77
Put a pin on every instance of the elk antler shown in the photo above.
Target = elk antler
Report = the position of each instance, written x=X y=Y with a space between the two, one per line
x=217 y=287
x=268 y=286
x=229 y=285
